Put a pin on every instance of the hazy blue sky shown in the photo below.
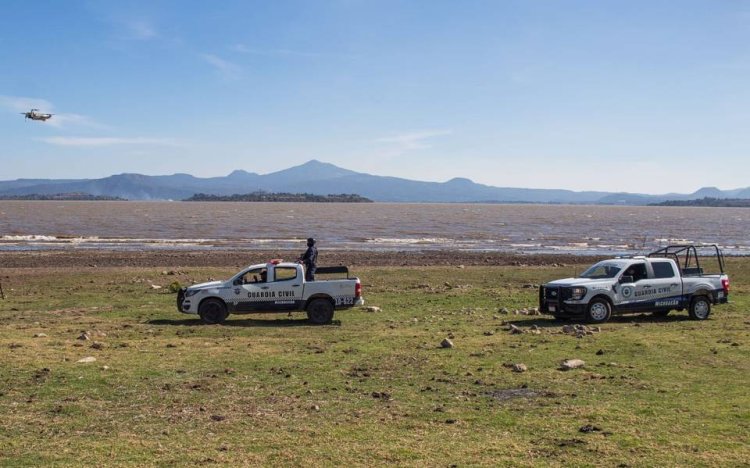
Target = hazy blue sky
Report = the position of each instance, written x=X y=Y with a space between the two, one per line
x=647 y=96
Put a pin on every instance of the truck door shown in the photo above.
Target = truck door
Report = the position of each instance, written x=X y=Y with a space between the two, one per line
x=250 y=291
x=667 y=285
x=286 y=287
x=634 y=296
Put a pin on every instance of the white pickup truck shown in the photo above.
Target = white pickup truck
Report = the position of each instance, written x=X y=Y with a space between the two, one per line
x=667 y=279
x=272 y=287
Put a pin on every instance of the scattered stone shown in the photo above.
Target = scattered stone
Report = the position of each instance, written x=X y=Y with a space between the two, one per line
x=461 y=266
x=446 y=343
x=97 y=345
x=514 y=330
x=567 y=329
x=503 y=310
x=382 y=396
x=589 y=428
x=87 y=359
x=105 y=367
x=155 y=286
x=520 y=367
x=600 y=352
x=530 y=286
x=83 y=336
x=372 y=309
x=489 y=333
x=218 y=417
x=315 y=408
x=40 y=335
x=569 y=364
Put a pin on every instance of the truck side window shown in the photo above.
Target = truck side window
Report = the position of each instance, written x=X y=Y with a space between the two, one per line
x=285 y=273
x=637 y=271
x=663 y=270
x=257 y=275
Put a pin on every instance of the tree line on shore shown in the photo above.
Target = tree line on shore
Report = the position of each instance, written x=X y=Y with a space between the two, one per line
x=708 y=201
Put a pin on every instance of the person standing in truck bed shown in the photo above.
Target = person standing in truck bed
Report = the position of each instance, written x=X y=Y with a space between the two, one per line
x=310 y=259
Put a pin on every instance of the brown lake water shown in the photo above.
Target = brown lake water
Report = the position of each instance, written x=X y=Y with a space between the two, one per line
x=33 y=225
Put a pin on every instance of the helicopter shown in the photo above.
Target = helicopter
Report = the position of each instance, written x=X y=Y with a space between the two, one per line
x=34 y=114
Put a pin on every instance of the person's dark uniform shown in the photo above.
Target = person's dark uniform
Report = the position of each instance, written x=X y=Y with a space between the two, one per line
x=310 y=260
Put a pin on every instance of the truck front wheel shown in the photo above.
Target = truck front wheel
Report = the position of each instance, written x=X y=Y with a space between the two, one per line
x=213 y=311
x=700 y=308
x=598 y=311
x=320 y=311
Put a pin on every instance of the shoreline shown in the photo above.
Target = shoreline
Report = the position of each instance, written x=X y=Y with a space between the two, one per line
x=241 y=258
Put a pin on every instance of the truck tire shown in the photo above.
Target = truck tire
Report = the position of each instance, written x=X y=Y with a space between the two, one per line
x=320 y=311
x=213 y=311
x=700 y=308
x=598 y=311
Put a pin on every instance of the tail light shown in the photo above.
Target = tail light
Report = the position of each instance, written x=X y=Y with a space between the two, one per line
x=725 y=285
x=357 y=289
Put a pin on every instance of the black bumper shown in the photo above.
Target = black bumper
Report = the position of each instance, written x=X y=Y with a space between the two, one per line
x=558 y=307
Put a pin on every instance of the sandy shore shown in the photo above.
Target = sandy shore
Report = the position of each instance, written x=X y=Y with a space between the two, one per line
x=74 y=259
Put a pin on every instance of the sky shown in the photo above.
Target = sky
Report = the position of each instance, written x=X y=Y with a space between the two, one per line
x=638 y=96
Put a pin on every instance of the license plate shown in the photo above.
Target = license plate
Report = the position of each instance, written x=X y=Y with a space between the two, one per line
x=721 y=294
x=551 y=308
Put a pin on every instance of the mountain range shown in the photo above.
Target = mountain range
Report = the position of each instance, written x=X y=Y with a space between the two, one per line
x=322 y=178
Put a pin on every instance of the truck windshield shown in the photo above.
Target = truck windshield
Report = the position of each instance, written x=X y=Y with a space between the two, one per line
x=601 y=270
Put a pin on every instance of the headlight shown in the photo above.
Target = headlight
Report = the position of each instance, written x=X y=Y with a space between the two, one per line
x=578 y=293
x=192 y=292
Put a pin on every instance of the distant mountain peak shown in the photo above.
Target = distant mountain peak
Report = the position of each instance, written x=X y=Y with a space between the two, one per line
x=460 y=181
x=240 y=173
x=313 y=169
x=708 y=192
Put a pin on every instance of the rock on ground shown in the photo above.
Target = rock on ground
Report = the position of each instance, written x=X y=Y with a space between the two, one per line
x=569 y=364
x=446 y=343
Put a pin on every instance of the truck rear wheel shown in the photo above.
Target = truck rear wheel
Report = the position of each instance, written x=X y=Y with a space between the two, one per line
x=598 y=311
x=213 y=311
x=320 y=311
x=700 y=308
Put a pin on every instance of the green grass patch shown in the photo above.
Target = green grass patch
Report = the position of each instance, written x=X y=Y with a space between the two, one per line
x=372 y=388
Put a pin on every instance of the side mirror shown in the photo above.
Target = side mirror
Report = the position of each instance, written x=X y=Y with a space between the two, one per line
x=626 y=279
x=237 y=282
